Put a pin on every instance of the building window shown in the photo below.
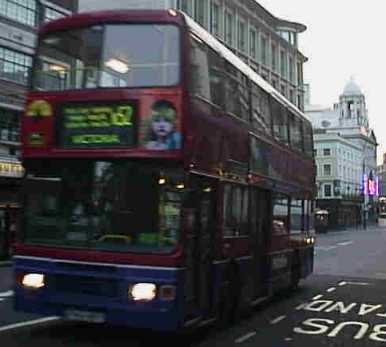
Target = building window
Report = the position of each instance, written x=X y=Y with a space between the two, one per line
x=300 y=73
x=14 y=66
x=241 y=34
x=283 y=90
x=186 y=6
x=327 y=170
x=292 y=96
x=283 y=64
x=291 y=70
x=199 y=11
x=264 y=52
x=327 y=190
x=229 y=28
x=326 y=151
x=252 y=43
x=9 y=125
x=215 y=19
x=51 y=14
x=273 y=57
x=23 y=11
x=300 y=102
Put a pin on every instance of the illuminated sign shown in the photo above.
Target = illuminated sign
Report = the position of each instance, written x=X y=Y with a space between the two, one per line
x=370 y=186
x=99 y=126
x=8 y=169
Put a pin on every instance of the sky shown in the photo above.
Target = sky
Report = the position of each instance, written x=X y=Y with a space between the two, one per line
x=344 y=38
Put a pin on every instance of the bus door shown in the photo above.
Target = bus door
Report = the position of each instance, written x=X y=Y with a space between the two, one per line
x=201 y=213
x=260 y=229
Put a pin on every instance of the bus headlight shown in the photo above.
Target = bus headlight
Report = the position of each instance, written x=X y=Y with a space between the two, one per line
x=143 y=291
x=33 y=281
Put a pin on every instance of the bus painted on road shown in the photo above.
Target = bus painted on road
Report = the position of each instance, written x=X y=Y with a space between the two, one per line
x=167 y=185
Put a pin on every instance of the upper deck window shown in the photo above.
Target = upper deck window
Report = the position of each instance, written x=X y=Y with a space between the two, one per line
x=110 y=56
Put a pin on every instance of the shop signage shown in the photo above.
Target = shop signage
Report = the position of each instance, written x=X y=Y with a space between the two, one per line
x=10 y=169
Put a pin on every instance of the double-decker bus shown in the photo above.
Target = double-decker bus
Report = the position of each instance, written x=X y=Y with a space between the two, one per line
x=167 y=185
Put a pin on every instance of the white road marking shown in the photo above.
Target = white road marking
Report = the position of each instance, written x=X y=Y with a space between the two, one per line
x=325 y=248
x=277 y=320
x=28 y=323
x=301 y=306
x=288 y=339
x=6 y=294
x=380 y=275
x=245 y=337
x=359 y=283
x=330 y=290
x=345 y=243
x=317 y=297
x=341 y=284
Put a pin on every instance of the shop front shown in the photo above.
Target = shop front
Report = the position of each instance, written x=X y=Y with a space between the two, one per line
x=11 y=173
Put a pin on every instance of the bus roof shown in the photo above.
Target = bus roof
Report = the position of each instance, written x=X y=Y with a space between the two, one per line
x=110 y=16
x=95 y=17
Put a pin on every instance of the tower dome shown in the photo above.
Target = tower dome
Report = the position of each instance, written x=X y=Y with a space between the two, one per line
x=352 y=88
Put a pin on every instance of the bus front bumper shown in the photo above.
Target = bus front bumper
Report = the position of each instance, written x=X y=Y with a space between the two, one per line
x=100 y=296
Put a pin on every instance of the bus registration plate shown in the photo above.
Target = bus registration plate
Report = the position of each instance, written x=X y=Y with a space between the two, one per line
x=85 y=316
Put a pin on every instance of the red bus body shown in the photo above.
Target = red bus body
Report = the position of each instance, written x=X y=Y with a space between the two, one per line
x=208 y=271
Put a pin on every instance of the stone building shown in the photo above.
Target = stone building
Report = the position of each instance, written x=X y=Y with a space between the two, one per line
x=345 y=155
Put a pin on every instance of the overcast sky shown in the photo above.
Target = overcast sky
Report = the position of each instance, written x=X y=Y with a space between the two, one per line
x=344 y=38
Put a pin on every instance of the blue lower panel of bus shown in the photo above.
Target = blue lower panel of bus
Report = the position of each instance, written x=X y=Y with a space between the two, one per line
x=100 y=293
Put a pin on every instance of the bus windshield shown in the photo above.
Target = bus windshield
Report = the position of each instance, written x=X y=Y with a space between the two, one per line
x=106 y=205
x=110 y=56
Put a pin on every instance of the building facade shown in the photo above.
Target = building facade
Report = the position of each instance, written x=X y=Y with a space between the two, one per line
x=19 y=20
x=345 y=155
x=266 y=43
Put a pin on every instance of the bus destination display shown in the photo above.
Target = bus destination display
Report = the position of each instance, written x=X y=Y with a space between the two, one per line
x=99 y=126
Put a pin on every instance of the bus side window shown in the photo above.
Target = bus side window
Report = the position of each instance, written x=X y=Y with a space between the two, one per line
x=206 y=73
x=236 y=202
x=296 y=216
x=216 y=78
x=227 y=211
x=280 y=122
x=199 y=69
x=280 y=215
x=261 y=120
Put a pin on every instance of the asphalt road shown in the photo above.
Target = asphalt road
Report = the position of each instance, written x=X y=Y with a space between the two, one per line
x=342 y=304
